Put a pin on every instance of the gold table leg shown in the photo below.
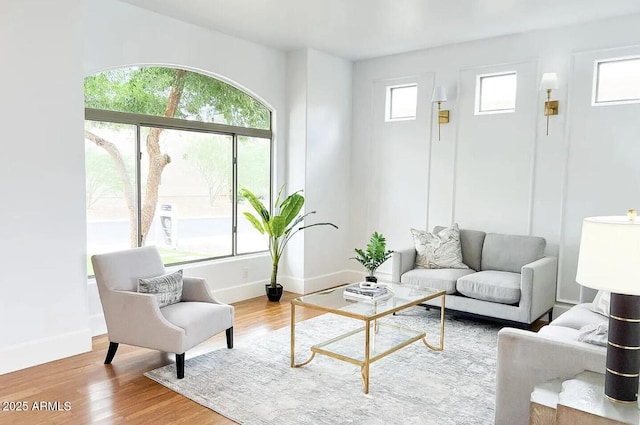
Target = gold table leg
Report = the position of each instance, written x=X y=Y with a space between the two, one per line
x=441 y=346
x=293 y=341
x=365 y=366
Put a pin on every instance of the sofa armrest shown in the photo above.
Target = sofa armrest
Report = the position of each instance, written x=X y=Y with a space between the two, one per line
x=401 y=262
x=135 y=318
x=196 y=289
x=538 y=286
x=527 y=359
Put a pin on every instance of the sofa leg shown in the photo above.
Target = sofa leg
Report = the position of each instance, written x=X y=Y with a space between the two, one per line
x=550 y=315
x=180 y=365
x=229 y=333
x=113 y=347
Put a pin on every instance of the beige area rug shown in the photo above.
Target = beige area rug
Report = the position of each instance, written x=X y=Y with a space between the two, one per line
x=253 y=383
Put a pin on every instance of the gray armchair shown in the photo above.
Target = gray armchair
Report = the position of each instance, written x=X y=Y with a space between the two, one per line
x=136 y=318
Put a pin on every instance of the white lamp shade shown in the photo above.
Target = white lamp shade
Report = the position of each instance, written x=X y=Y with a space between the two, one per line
x=610 y=255
x=439 y=94
x=549 y=81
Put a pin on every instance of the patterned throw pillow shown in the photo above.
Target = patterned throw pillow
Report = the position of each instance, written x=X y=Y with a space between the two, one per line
x=438 y=251
x=166 y=288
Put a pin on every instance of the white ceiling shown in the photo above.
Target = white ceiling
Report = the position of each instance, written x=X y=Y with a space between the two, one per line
x=359 y=29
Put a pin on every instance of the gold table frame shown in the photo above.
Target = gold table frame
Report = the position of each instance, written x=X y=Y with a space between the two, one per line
x=370 y=322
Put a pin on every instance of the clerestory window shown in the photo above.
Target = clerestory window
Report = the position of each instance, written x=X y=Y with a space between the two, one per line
x=166 y=152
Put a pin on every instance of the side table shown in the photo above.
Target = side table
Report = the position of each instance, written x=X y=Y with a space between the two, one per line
x=579 y=400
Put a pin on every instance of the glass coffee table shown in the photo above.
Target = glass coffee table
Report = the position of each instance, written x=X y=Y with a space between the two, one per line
x=374 y=340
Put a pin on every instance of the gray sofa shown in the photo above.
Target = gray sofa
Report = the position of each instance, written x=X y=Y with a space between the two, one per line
x=509 y=277
x=527 y=359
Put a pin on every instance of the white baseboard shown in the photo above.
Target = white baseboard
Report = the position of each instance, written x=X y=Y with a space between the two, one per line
x=318 y=283
x=241 y=292
x=33 y=353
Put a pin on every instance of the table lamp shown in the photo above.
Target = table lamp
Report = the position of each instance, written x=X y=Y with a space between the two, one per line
x=609 y=260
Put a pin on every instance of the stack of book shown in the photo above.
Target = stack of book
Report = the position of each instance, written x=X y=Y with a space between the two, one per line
x=356 y=292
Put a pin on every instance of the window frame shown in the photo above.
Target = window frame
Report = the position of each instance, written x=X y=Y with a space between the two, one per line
x=143 y=120
x=596 y=82
x=389 y=103
x=478 y=98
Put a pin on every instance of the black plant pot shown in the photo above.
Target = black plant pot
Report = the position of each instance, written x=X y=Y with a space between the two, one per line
x=274 y=294
x=371 y=279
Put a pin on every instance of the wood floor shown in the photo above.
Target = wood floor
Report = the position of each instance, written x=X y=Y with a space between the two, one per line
x=119 y=393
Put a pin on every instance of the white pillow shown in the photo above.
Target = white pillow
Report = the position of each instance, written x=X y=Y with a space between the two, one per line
x=438 y=251
x=601 y=303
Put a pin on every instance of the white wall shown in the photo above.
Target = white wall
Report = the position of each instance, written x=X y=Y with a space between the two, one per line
x=502 y=173
x=43 y=308
x=47 y=309
x=327 y=169
x=319 y=95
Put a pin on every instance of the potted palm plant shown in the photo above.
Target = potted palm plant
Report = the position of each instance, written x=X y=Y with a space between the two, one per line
x=279 y=227
x=374 y=256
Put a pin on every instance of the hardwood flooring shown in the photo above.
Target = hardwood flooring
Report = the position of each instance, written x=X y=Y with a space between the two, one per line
x=119 y=393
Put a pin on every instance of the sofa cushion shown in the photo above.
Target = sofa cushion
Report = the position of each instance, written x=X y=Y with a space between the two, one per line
x=440 y=250
x=495 y=286
x=578 y=316
x=471 y=242
x=198 y=319
x=509 y=253
x=442 y=279
x=560 y=332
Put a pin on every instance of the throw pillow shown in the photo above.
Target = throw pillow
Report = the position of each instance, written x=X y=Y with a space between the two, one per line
x=167 y=288
x=594 y=334
x=601 y=302
x=438 y=251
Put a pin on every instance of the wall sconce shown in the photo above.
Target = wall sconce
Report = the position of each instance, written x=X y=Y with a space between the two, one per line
x=440 y=95
x=549 y=82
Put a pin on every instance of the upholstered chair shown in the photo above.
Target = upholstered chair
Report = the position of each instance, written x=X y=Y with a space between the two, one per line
x=137 y=319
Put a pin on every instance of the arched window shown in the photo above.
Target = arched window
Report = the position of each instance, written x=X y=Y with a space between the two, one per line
x=166 y=152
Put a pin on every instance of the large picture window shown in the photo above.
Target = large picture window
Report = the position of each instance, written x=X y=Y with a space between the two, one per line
x=166 y=153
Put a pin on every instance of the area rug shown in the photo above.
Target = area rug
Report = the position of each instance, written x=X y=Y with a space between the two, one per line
x=253 y=383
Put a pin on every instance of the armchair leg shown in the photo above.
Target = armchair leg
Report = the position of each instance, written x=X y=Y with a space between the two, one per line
x=113 y=347
x=230 y=337
x=550 y=315
x=180 y=365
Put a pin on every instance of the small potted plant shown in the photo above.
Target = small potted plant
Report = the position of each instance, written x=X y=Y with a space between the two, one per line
x=279 y=227
x=374 y=256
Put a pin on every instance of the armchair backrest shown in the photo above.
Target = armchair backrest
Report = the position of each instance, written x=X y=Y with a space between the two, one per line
x=121 y=270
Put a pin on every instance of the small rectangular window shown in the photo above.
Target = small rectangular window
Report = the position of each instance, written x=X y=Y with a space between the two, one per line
x=496 y=93
x=401 y=102
x=617 y=81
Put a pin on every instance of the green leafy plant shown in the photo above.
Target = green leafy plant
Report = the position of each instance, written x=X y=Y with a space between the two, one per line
x=375 y=255
x=281 y=226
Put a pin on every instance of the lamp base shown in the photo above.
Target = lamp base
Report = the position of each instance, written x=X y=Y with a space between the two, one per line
x=623 y=349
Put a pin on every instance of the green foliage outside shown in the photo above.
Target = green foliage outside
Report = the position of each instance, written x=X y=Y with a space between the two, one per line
x=168 y=92
x=376 y=253
x=145 y=90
